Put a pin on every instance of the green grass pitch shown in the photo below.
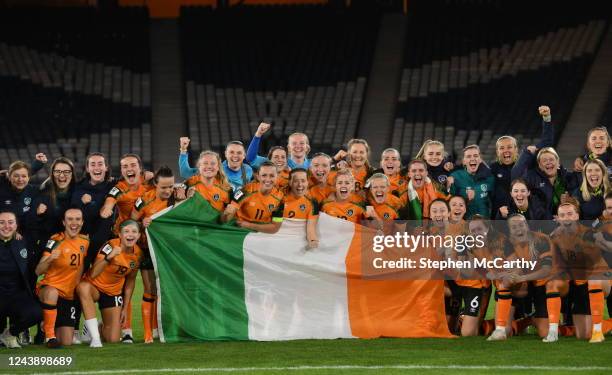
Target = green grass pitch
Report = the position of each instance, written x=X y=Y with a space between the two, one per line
x=471 y=355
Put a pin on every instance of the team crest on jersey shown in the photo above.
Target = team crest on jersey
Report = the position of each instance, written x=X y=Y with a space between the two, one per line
x=27 y=201
x=349 y=212
x=50 y=244
x=302 y=207
x=216 y=197
x=271 y=206
x=483 y=187
x=23 y=253
x=82 y=248
x=132 y=265
x=386 y=215
x=442 y=179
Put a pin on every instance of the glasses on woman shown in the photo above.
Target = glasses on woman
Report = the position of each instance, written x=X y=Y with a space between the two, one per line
x=59 y=172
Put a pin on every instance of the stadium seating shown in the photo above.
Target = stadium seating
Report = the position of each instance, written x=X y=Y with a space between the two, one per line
x=303 y=68
x=87 y=75
x=606 y=116
x=479 y=70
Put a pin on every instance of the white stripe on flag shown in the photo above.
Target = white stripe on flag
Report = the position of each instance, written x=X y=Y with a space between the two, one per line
x=295 y=293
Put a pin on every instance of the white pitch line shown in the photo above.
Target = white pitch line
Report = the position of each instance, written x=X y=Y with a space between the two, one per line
x=348 y=367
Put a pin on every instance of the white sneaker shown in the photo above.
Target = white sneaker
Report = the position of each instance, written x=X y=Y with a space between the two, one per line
x=155 y=333
x=9 y=340
x=498 y=335
x=75 y=338
x=85 y=337
x=95 y=344
x=551 y=337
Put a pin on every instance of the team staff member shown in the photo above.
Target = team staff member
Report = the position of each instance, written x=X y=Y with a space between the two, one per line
x=144 y=208
x=211 y=182
x=16 y=298
x=110 y=282
x=62 y=266
x=254 y=208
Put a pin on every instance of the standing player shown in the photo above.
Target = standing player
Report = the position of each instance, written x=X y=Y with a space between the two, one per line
x=391 y=166
x=385 y=204
x=320 y=185
x=62 y=266
x=110 y=282
x=145 y=207
x=211 y=183
x=297 y=205
x=254 y=208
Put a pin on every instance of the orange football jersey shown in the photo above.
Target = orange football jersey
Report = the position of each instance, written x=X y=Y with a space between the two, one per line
x=110 y=281
x=63 y=272
x=217 y=194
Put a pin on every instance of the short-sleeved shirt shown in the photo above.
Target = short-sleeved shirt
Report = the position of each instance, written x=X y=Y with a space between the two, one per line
x=125 y=199
x=345 y=210
x=299 y=208
x=111 y=280
x=389 y=209
x=217 y=194
x=63 y=272
x=255 y=207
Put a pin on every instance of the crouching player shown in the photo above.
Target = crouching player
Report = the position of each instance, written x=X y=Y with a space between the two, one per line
x=62 y=267
x=530 y=246
x=114 y=270
x=579 y=258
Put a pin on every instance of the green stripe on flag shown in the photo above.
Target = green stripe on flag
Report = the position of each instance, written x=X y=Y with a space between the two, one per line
x=200 y=268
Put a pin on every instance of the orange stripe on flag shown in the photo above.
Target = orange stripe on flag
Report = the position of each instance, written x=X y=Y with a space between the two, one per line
x=391 y=307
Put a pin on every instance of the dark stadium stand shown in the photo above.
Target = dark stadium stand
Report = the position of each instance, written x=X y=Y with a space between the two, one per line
x=606 y=116
x=87 y=74
x=480 y=69
x=303 y=68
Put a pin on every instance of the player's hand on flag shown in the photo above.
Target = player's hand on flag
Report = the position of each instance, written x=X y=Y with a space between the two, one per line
x=146 y=222
x=184 y=143
x=262 y=129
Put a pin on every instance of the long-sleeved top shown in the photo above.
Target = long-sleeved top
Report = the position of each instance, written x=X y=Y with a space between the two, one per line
x=91 y=210
x=237 y=179
x=483 y=184
x=503 y=172
x=254 y=160
x=14 y=270
x=591 y=209
x=535 y=211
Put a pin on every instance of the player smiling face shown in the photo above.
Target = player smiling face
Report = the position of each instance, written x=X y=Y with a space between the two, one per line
x=518 y=228
x=19 y=178
x=358 y=155
x=129 y=234
x=594 y=175
x=478 y=228
x=130 y=170
x=567 y=215
x=320 y=167
x=97 y=168
x=298 y=145
x=234 y=154
x=73 y=222
x=208 y=165
x=345 y=185
x=506 y=150
x=417 y=173
x=598 y=142
x=471 y=160
x=164 y=188
x=390 y=162
x=457 y=208
x=548 y=163
x=266 y=177
x=279 y=158
x=379 y=187
x=433 y=154
x=299 y=183
x=520 y=195
x=439 y=213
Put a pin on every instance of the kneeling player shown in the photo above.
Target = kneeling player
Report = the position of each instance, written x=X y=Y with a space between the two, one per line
x=62 y=266
x=114 y=271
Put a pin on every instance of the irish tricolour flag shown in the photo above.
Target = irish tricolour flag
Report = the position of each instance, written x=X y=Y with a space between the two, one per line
x=219 y=282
